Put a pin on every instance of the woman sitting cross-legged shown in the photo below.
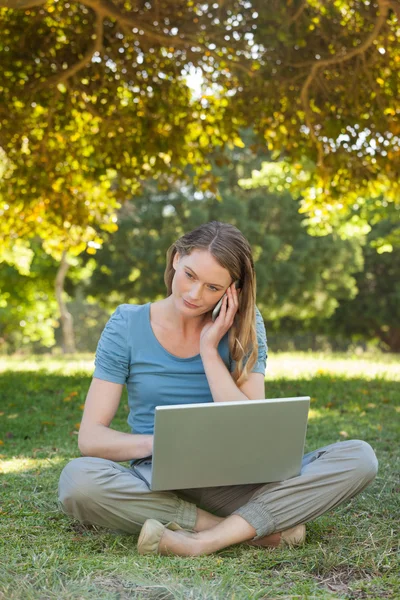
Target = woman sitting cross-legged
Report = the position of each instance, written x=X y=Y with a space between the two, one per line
x=172 y=352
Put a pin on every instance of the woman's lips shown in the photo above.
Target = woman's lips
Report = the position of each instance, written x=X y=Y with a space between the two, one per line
x=190 y=305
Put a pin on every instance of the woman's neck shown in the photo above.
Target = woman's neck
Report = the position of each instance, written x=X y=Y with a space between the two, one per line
x=173 y=319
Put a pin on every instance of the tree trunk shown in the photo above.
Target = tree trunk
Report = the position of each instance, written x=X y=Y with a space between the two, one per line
x=391 y=338
x=67 y=325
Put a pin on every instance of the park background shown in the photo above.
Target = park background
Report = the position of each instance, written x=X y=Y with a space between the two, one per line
x=126 y=124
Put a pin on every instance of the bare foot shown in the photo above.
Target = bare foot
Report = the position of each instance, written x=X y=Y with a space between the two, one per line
x=180 y=543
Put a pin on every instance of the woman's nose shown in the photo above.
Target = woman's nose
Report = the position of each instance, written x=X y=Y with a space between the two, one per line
x=195 y=292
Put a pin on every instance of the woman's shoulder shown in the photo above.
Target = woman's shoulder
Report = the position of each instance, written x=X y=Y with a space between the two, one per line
x=125 y=316
x=129 y=310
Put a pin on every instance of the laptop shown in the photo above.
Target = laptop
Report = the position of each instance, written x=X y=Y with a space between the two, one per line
x=225 y=443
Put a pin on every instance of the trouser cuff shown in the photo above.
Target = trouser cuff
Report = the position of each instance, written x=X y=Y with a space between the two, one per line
x=258 y=517
x=186 y=514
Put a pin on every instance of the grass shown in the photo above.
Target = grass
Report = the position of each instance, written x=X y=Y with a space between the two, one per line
x=350 y=553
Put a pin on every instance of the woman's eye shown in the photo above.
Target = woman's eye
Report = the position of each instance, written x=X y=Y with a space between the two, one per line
x=212 y=288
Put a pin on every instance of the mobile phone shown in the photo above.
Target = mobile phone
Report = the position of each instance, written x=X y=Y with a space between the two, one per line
x=217 y=308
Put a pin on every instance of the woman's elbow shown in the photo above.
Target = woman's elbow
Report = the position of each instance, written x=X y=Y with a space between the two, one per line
x=84 y=445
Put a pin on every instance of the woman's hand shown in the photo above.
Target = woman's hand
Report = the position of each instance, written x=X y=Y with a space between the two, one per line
x=212 y=333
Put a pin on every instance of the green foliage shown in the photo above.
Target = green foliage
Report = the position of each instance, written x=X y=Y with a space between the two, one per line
x=299 y=276
x=375 y=311
x=126 y=110
x=330 y=74
x=351 y=217
x=95 y=101
x=27 y=300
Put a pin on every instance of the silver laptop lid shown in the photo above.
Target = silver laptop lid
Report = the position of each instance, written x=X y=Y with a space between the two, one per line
x=228 y=443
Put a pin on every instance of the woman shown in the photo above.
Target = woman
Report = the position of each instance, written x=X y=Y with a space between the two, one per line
x=171 y=352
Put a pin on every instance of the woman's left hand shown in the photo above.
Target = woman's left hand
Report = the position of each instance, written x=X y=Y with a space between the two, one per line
x=212 y=333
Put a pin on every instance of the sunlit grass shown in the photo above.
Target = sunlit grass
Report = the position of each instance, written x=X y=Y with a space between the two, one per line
x=307 y=364
x=282 y=364
x=47 y=363
x=23 y=465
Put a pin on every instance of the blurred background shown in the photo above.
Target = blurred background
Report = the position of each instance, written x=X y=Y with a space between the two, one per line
x=126 y=124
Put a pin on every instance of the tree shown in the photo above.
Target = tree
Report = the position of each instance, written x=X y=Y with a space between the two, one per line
x=82 y=77
x=89 y=104
x=353 y=217
x=27 y=300
x=298 y=276
x=300 y=279
x=93 y=98
x=375 y=311
x=95 y=101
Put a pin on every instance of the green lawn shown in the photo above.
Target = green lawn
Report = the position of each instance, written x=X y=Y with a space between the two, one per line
x=351 y=552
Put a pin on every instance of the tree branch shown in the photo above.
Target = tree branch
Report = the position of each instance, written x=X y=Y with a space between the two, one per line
x=384 y=9
x=21 y=4
x=317 y=65
x=298 y=12
x=106 y=8
x=95 y=47
x=395 y=6
x=305 y=100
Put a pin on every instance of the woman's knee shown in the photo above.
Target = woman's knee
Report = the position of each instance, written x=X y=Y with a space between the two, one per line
x=366 y=461
x=77 y=483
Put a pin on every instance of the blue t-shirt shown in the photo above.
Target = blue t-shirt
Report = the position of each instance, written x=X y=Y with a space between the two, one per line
x=128 y=352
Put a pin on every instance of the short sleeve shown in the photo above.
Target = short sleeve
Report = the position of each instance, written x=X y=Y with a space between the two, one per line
x=112 y=353
x=260 y=365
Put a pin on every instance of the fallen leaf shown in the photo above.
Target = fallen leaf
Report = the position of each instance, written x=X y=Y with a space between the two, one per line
x=344 y=434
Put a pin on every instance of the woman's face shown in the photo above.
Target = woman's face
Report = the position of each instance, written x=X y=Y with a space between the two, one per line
x=199 y=280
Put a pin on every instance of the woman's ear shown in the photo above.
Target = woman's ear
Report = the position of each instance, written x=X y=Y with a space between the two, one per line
x=175 y=260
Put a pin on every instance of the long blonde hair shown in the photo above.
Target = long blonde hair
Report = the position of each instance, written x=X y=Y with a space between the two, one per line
x=232 y=251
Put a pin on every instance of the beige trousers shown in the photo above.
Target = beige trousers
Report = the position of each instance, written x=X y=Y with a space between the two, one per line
x=102 y=492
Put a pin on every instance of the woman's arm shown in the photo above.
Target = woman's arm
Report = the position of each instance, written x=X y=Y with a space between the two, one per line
x=222 y=386
x=95 y=436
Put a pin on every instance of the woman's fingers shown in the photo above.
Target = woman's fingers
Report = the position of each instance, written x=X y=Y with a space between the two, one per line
x=230 y=304
x=233 y=304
